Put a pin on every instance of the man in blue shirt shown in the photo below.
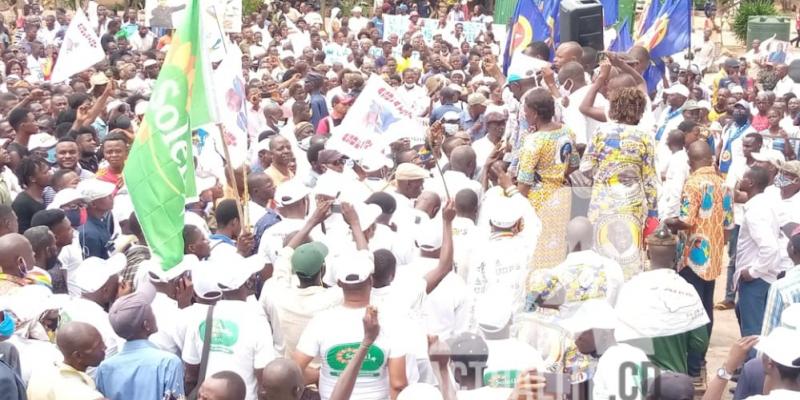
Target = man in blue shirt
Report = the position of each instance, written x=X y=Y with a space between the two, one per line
x=449 y=98
x=140 y=370
x=319 y=108
x=95 y=234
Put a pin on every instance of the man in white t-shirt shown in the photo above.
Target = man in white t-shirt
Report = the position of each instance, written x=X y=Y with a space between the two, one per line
x=292 y=200
x=593 y=325
x=241 y=340
x=335 y=334
x=98 y=282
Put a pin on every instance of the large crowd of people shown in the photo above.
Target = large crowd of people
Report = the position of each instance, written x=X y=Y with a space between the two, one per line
x=559 y=230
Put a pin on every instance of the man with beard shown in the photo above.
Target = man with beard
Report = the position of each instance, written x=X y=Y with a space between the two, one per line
x=45 y=257
x=63 y=234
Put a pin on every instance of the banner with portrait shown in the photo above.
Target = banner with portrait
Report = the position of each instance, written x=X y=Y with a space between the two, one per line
x=169 y=14
x=377 y=118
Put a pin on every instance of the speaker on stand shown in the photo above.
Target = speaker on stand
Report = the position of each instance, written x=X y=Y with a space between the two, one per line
x=582 y=21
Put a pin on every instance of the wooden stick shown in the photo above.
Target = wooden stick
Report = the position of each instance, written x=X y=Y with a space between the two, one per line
x=232 y=175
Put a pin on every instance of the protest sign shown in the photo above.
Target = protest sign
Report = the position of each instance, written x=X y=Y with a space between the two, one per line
x=371 y=120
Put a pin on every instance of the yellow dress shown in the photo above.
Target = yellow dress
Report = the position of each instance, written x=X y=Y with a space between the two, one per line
x=543 y=159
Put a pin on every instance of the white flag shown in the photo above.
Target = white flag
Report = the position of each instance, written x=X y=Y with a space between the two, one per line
x=80 y=50
x=231 y=100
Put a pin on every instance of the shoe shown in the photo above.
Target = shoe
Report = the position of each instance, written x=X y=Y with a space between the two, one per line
x=724 y=305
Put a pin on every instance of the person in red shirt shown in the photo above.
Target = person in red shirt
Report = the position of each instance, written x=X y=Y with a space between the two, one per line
x=763 y=104
x=115 y=152
x=340 y=103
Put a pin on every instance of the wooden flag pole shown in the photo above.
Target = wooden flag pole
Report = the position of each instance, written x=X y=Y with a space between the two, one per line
x=232 y=175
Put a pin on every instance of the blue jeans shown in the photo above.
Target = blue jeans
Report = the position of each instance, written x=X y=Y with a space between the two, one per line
x=730 y=294
x=750 y=308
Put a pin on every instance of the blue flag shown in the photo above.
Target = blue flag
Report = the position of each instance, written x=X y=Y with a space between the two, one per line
x=654 y=74
x=624 y=41
x=610 y=12
x=653 y=8
x=671 y=31
x=527 y=25
x=550 y=14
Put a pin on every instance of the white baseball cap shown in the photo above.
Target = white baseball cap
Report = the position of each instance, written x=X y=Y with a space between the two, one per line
x=771 y=156
x=493 y=312
x=355 y=267
x=94 y=272
x=429 y=235
x=157 y=274
x=291 y=192
x=781 y=345
x=677 y=89
x=236 y=274
x=204 y=280
x=591 y=314
x=420 y=391
x=41 y=141
x=94 y=189
x=65 y=196
x=367 y=214
x=504 y=214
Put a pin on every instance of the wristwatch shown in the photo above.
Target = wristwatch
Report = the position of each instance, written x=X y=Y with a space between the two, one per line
x=722 y=373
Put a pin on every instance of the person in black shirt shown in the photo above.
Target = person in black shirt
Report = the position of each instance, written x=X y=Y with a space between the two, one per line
x=34 y=175
x=86 y=137
x=108 y=37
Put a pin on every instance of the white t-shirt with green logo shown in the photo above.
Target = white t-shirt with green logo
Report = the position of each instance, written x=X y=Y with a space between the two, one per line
x=240 y=342
x=334 y=335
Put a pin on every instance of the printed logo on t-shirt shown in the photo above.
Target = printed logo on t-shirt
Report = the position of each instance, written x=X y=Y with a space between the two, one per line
x=338 y=356
x=500 y=378
x=224 y=335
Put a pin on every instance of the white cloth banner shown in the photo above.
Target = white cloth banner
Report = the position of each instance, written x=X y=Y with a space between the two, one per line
x=399 y=25
x=170 y=13
x=658 y=303
x=79 y=51
x=231 y=100
x=371 y=121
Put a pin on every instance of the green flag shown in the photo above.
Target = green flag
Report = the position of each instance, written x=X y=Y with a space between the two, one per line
x=159 y=172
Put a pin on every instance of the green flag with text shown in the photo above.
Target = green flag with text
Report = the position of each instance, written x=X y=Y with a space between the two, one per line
x=159 y=172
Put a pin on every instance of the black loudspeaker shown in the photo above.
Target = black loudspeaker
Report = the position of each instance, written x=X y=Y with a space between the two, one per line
x=582 y=21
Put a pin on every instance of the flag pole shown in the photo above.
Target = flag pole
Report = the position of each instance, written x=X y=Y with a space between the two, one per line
x=232 y=174
x=242 y=202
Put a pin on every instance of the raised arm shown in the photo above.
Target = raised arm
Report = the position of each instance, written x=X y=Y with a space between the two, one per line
x=587 y=107
x=344 y=386
x=434 y=277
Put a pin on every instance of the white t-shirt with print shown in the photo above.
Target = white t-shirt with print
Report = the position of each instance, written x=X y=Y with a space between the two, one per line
x=335 y=335
x=606 y=380
x=240 y=342
x=508 y=359
x=273 y=237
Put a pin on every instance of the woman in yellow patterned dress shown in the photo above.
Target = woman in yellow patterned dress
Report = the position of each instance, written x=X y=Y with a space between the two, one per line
x=544 y=158
x=619 y=160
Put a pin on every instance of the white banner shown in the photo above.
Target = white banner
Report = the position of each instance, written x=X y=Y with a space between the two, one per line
x=658 y=303
x=169 y=13
x=231 y=99
x=79 y=51
x=372 y=120
x=399 y=25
